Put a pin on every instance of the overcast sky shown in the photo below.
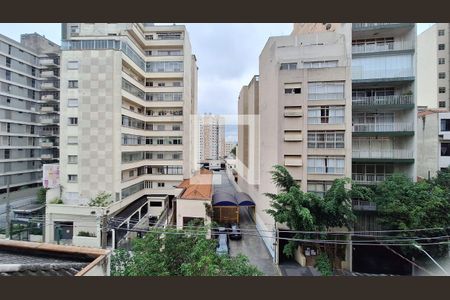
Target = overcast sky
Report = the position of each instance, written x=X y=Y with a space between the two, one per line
x=227 y=57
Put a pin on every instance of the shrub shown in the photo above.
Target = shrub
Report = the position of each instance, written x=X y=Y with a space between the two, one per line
x=86 y=233
x=323 y=264
x=57 y=201
x=41 y=195
x=102 y=200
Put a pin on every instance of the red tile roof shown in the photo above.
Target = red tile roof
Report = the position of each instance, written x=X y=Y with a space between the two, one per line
x=199 y=187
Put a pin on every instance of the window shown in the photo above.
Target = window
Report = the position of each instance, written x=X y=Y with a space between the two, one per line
x=325 y=139
x=72 y=103
x=73 y=121
x=160 y=156
x=445 y=124
x=7 y=154
x=319 y=188
x=72 y=159
x=288 y=66
x=161 y=84
x=8 y=62
x=74 y=29
x=326 y=115
x=441 y=61
x=445 y=149
x=325 y=165
x=72 y=140
x=161 y=184
x=441 y=46
x=442 y=104
x=73 y=84
x=156 y=203
x=441 y=75
x=8 y=75
x=326 y=90
x=72 y=178
x=176 y=83
x=320 y=64
x=292 y=88
x=441 y=90
x=72 y=65
x=131 y=173
x=441 y=32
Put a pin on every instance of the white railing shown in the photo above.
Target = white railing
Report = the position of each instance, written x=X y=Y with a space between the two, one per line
x=383 y=127
x=371 y=25
x=363 y=205
x=383 y=100
x=369 y=178
x=392 y=154
x=325 y=120
x=389 y=46
x=326 y=96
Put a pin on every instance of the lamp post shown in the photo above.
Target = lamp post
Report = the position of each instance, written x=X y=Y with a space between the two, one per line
x=423 y=250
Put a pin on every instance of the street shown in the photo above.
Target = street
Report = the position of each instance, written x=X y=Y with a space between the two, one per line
x=251 y=245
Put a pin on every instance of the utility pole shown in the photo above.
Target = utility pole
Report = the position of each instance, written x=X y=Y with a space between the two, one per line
x=8 y=211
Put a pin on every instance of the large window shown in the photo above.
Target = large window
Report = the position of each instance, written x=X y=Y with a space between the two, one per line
x=292 y=88
x=388 y=66
x=288 y=66
x=326 y=115
x=445 y=149
x=164 y=66
x=326 y=165
x=330 y=90
x=319 y=187
x=441 y=61
x=73 y=84
x=445 y=124
x=320 y=64
x=441 y=46
x=325 y=139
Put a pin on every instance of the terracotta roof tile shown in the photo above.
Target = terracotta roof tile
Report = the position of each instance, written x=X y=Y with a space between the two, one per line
x=199 y=187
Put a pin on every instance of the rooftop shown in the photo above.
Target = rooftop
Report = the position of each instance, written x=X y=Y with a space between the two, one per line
x=199 y=187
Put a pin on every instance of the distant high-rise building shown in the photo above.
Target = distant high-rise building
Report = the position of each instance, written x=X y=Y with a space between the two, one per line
x=211 y=137
x=29 y=109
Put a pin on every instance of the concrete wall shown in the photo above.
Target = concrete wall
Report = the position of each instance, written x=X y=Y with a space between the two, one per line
x=428 y=150
x=192 y=209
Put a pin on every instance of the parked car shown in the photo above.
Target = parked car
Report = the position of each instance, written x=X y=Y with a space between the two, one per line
x=218 y=230
x=222 y=245
x=235 y=232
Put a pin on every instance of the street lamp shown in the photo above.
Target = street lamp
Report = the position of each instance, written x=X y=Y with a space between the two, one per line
x=423 y=250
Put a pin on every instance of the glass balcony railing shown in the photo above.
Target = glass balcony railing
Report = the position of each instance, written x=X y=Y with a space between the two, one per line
x=359 y=74
x=368 y=26
x=383 y=100
x=383 y=154
x=371 y=48
x=383 y=127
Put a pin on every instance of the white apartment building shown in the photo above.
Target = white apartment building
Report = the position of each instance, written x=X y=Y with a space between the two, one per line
x=297 y=113
x=29 y=109
x=128 y=93
x=433 y=67
x=211 y=142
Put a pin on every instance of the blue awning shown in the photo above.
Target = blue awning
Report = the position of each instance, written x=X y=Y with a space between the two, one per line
x=243 y=199
x=224 y=199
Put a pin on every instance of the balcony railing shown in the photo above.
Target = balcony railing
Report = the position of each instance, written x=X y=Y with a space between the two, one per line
x=383 y=127
x=372 y=25
x=388 y=154
x=364 y=205
x=325 y=120
x=49 y=121
x=47 y=144
x=371 y=48
x=383 y=100
x=359 y=74
x=49 y=85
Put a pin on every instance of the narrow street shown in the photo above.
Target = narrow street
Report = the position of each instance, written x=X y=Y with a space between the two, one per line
x=251 y=245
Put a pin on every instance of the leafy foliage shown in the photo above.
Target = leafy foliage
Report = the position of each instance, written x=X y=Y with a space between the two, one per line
x=233 y=151
x=41 y=193
x=405 y=205
x=173 y=252
x=57 y=200
x=86 y=233
x=323 y=264
x=103 y=199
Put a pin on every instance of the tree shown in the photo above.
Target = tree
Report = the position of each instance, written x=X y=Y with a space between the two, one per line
x=171 y=252
x=406 y=205
x=442 y=179
x=102 y=199
x=309 y=212
x=233 y=151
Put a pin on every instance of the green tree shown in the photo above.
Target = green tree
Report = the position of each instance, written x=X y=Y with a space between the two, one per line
x=41 y=193
x=103 y=199
x=170 y=252
x=233 y=151
x=405 y=205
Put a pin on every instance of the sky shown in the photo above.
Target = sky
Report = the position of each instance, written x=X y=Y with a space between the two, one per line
x=227 y=57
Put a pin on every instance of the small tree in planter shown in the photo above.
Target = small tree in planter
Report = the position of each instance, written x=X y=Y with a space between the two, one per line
x=103 y=199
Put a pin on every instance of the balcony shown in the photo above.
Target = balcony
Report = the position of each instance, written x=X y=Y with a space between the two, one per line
x=394 y=101
x=369 y=179
x=49 y=86
x=47 y=144
x=49 y=133
x=362 y=205
x=48 y=74
x=375 y=26
x=49 y=121
x=48 y=109
x=386 y=47
x=394 y=155
x=391 y=129
x=361 y=76
x=48 y=62
x=49 y=97
x=46 y=156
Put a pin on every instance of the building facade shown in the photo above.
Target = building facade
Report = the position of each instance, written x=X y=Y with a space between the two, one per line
x=29 y=109
x=304 y=109
x=384 y=108
x=229 y=146
x=433 y=142
x=211 y=137
x=129 y=91
x=433 y=67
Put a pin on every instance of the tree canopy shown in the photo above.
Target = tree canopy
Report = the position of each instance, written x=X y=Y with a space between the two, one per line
x=171 y=252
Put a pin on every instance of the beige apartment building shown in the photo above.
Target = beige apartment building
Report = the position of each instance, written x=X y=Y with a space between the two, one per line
x=128 y=93
x=297 y=113
x=433 y=67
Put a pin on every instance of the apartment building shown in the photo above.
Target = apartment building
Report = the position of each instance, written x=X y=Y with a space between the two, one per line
x=433 y=67
x=433 y=142
x=302 y=101
x=128 y=92
x=384 y=108
x=29 y=109
x=211 y=137
x=228 y=147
